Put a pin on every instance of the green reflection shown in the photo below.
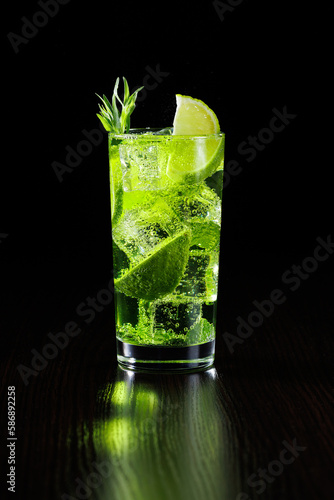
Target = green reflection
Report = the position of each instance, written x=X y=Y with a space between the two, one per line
x=162 y=438
x=128 y=409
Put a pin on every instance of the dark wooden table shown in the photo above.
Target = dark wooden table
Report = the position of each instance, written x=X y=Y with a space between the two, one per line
x=259 y=424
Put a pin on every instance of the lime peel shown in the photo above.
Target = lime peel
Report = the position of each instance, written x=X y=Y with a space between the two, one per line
x=190 y=162
x=194 y=117
x=197 y=147
x=160 y=272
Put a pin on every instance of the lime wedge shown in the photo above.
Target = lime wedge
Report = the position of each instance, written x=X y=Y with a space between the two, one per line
x=194 y=117
x=160 y=272
x=193 y=160
x=116 y=185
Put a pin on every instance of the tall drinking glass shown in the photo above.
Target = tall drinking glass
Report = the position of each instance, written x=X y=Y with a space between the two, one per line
x=166 y=195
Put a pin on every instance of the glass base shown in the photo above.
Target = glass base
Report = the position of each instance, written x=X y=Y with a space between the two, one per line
x=165 y=359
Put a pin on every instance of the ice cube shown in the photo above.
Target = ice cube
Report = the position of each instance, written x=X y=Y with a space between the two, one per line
x=142 y=228
x=164 y=131
x=200 y=207
x=143 y=165
x=180 y=317
x=200 y=278
x=203 y=331
x=199 y=202
x=175 y=322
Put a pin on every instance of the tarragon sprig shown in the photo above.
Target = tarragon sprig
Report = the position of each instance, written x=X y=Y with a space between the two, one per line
x=113 y=119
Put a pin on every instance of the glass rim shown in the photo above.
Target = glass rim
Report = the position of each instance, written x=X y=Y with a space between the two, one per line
x=151 y=133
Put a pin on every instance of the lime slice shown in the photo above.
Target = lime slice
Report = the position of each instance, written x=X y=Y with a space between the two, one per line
x=160 y=272
x=193 y=160
x=194 y=117
x=116 y=185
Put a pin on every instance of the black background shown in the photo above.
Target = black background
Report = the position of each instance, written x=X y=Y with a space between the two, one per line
x=55 y=237
x=243 y=63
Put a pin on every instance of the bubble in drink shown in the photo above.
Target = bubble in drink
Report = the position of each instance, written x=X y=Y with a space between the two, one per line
x=144 y=227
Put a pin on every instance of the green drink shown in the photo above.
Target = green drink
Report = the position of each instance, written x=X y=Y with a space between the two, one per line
x=166 y=215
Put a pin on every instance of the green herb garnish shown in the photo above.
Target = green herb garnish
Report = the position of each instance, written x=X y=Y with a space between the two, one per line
x=112 y=118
